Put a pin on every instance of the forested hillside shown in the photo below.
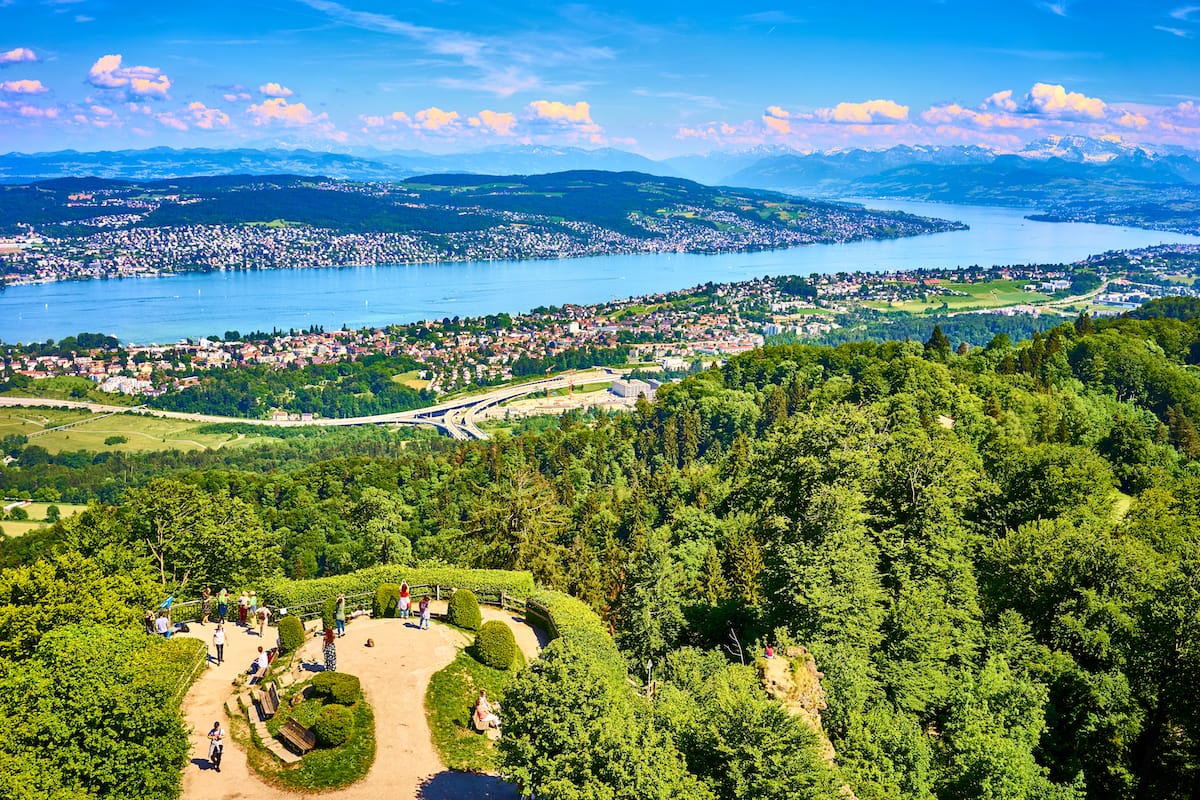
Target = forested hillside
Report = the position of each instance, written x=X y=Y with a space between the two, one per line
x=991 y=555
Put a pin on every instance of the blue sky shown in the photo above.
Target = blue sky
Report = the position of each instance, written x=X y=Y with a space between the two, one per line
x=661 y=78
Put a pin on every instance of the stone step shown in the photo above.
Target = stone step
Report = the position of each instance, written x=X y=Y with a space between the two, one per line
x=283 y=754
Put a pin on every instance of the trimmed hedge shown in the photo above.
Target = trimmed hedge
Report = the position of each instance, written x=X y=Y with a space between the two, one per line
x=329 y=613
x=333 y=725
x=291 y=634
x=387 y=601
x=483 y=582
x=568 y=618
x=463 y=610
x=337 y=687
x=495 y=645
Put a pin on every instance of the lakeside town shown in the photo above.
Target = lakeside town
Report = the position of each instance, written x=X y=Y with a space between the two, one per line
x=129 y=231
x=668 y=332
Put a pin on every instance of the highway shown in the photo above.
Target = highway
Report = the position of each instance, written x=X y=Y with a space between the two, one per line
x=455 y=418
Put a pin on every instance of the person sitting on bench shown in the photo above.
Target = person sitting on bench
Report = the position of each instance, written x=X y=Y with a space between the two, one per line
x=485 y=715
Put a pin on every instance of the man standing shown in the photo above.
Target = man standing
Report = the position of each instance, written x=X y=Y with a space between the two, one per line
x=340 y=615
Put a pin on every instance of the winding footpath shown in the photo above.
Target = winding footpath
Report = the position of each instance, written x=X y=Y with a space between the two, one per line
x=394 y=675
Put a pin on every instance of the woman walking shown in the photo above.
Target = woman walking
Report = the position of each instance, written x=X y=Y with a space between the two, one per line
x=330 y=651
x=205 y=605
x=405 y=604
x=216 y=745
x=219 y=642
x=340 y=615
x=223 y=604
x=424 y=609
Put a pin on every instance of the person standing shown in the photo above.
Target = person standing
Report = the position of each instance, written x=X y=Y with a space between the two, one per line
x=219 y=642
x=405 y=604
x=263 y=615
x=330 y=651
x=205 y=606
x=253 y=604
x=243 y=607
x=339 y=615
x=216 y=745
x=223 y=604
x=424 y=609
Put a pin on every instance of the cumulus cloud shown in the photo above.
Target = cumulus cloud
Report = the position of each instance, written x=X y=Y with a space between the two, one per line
x=1054 y=100
x=1001 y=101
x=278 y=111
x=872 y=112
x=274 y=89
x=107 y=73
x=500 y=123
x=207 y=118
x=16 y=56
x=434 y=119
x=580 y=113
x=777 y=120
x=22 y=87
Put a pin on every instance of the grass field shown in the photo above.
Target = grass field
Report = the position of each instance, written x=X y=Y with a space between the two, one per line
x=74 y=388
x=91 y=431
x=989 y=294
x=37 y=517
x=411 y=379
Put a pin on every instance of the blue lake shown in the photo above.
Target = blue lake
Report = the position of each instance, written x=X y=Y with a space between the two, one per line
x=166 y=309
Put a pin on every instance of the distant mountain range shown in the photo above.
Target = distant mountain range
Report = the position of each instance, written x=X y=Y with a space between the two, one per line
x=1049 y=175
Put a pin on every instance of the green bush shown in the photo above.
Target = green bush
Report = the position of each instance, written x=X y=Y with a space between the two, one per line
x=463 y=610
x=291 y=634
x=346 y=690
x=337 y=687
x=563 y=616
x=329 y=613
x=495 y=645
x=322 y=684
x=387 y=600
x=333 y=725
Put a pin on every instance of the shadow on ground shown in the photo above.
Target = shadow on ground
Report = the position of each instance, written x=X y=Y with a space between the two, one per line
x=450 y=785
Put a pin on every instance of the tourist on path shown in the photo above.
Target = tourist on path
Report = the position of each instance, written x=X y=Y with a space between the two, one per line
x=219 y=642
x=243 y=606
x=330 y=651
x=253 y=604
x=216 y=745
x=424 y=609
x=264 y=614
x=405 y=604
x=223 y=604
x=205 y=606
x=339 y=615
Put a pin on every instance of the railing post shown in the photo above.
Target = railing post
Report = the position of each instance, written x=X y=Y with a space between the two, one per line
x=437 y=592
x=503 y=601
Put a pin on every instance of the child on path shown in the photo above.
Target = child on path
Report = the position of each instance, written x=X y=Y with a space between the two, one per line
x=424 y=609
x=340 y=615
x=405 y=605
x=219 y=642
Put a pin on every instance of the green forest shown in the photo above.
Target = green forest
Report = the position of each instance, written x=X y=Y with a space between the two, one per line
x=990 y=552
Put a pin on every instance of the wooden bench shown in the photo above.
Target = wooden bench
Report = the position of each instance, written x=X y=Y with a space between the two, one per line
x=486 y=730
x=300 y=738
x=268 y=701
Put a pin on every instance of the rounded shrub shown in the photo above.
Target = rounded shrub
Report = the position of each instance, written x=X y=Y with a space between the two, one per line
x=291 y=634
x=463 y=610
x=322 y=684
x=346 y=689
x=333 y=725
x=495 y=645
x=387 y=600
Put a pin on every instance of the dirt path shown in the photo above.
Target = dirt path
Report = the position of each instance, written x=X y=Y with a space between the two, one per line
x=394 y=674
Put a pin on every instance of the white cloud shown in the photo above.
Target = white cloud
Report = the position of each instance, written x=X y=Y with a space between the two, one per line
x=107 y=73
x=22 y=87
x=278 y=111
x=16 y=56
x=273 y=89
x=872 y=112
x=435 y=119
x=1054 y=100
x=500 y=123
